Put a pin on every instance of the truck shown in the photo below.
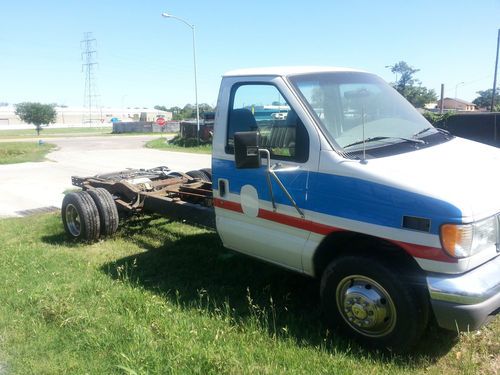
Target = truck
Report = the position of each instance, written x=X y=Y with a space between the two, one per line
x=329 y=172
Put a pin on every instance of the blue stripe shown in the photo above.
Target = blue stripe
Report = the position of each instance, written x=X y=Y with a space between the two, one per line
x=345 y=197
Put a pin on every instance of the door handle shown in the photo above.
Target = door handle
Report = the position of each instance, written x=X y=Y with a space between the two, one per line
x=222 y=187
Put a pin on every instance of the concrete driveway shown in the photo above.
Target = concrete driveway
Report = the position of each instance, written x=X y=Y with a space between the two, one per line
x=31 y=187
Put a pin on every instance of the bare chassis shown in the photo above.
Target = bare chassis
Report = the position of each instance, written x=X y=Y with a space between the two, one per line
x=179 y=196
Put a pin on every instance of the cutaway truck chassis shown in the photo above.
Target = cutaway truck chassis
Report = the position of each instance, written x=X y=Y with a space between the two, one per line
x=94 y=211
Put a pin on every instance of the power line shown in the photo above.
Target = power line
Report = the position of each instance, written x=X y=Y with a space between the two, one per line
x=90 y=96
x=466 y=83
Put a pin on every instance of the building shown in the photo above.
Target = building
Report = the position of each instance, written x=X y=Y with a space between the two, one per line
x=458 y=105
x=73 y=116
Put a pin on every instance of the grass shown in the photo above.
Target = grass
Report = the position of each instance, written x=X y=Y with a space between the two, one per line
x=53 y=132
x=166 y=298
x=162 y=144
x=68 y=132
x=21 y=152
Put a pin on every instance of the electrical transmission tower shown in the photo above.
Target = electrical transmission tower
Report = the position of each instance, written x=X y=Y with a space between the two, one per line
x=89 y=65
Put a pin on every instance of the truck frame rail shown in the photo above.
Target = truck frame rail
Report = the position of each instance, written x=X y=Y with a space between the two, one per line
x=180 y=196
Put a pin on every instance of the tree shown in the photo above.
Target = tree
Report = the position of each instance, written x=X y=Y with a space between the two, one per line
x=37 y=114
x=438 y=119
x=176 y=113
x=160 y=108
x=484 y=99
x=204 y=107
x=410 y=87
x=189 y=111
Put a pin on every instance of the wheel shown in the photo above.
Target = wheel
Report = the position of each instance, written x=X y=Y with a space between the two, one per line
x=199 y=174
x=80 y=217
x=175 y=174
x=108 y=213
x=367 y=300
x=207 y=172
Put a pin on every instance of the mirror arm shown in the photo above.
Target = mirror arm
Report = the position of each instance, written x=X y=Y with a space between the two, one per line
x=270 y=173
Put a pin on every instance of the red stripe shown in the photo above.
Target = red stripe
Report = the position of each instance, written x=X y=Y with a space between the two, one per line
x=228 y=205
x=297 y=222
x=425 y=252
x=418 y=251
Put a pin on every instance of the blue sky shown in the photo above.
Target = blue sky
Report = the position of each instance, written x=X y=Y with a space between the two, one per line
x=145 y=59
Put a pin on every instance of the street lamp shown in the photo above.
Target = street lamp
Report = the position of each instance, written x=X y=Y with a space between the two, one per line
x=456 y=87
x=166 y=15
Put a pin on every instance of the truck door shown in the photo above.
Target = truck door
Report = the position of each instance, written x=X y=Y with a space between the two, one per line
x=247 y=220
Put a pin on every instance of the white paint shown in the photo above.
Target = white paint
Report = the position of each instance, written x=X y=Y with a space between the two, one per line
x=264 y=239
x=249 y=200
x=286 y=70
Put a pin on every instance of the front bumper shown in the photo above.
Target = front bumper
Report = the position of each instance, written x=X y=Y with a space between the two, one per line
x=467 y=301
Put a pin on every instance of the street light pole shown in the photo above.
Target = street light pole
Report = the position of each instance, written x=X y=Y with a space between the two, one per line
x=196 y=90
x=495 y=79
x=456 y=88
x=193 y=29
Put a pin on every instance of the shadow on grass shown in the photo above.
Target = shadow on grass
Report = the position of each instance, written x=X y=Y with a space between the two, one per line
x=196 y=270
x=60 y=239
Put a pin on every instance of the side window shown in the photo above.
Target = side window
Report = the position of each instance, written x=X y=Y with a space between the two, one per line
x=262 y=108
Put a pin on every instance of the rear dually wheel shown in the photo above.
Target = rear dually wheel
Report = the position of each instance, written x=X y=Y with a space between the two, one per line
x=80 y=217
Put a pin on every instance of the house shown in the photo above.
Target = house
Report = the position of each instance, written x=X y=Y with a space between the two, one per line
x=458 y=105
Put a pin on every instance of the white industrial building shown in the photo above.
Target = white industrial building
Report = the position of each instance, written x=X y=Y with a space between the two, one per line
x=78 y=116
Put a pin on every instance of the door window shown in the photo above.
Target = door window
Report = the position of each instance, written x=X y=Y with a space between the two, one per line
x=262 y=108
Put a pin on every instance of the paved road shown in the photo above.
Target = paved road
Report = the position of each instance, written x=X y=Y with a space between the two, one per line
x=32 y=186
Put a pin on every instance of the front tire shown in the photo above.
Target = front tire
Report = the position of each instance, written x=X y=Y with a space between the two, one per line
x=368 y=301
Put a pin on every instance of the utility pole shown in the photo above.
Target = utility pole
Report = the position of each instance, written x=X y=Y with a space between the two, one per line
x=89 y=63
x=442 y=99
x=495 y=79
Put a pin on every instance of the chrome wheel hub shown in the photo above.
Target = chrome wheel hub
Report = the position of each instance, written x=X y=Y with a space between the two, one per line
x=366 y=306
x=73 y=220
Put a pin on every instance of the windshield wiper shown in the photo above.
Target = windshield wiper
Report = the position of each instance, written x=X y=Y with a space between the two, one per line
x=439 y=130
x=373 y=139
x=425 y=130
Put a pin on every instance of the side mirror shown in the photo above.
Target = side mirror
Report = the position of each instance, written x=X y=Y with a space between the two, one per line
x=246 y=150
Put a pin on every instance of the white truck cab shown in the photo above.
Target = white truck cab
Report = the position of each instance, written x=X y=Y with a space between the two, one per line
x=331 y=173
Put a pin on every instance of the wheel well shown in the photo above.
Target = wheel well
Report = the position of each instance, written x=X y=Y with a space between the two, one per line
x=352 y=243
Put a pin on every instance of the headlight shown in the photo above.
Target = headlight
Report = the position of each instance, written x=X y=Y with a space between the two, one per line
x=464 y=240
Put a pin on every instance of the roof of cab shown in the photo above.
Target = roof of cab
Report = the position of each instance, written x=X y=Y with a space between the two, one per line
x=286 y=71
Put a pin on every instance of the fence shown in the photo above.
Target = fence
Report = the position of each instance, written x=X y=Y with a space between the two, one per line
x=481 y=127
x=145 y=127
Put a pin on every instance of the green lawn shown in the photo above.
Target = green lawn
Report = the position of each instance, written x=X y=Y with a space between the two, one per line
x=51 y=132
x=165 y=297
x=21 y=152
x=68 y=132
x=162 y=144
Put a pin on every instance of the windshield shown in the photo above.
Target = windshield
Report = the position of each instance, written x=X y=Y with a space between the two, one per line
x=350 y=104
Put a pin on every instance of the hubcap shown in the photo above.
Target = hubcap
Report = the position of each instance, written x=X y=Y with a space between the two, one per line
x=73 y=220
x=366 y=306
